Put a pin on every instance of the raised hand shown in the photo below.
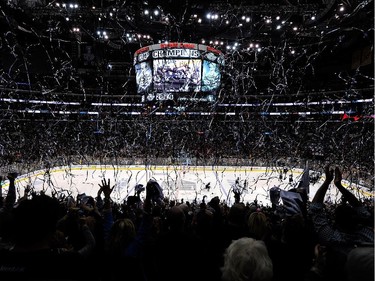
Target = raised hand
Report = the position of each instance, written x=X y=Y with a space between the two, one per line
x=346 y=194
x=322 y=190
x=106 y=188
x=329 y=173
x=338 y=176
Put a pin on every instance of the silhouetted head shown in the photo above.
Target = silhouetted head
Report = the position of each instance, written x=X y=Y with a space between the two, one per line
x=345 y=218
x=122 y=233
x=35 y=219
x=176 y=218
x=258 y=225
x=360 y=264
x=237 y=214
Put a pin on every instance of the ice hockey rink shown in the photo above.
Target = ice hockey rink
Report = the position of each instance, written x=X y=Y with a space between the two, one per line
x=181 y=182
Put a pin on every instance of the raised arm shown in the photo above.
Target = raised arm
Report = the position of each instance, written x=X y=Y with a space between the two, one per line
x=347 y=195
x=107 y=215
x=106 y=189
x=89 y=240
x=11 y=196
x=321 y=192
x=1 y=192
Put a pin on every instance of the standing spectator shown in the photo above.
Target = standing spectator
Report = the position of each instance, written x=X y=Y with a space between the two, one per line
x=345 y=233
x=6 y=207
x=32 y=256
x=177 y=253
x=347 y=229
x=124 y=242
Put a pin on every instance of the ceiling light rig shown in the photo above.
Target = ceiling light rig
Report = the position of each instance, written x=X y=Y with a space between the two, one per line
x=223 y=25
x=245 y=28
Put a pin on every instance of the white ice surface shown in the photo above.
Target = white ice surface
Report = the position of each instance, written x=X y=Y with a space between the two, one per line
x=178 y=182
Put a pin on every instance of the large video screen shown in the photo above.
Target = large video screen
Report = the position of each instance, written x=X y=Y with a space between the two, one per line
x=143 y=76
x=211 y=76
x=178 y=71
x=177 y=75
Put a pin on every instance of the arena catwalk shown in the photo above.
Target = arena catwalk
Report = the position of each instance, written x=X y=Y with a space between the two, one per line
x=182 y=182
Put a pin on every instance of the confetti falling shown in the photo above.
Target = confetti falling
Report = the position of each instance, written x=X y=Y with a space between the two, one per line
x=293 y=89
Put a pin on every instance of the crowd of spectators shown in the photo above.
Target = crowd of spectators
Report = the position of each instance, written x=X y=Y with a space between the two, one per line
x=207 y=142
x=85 y=238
